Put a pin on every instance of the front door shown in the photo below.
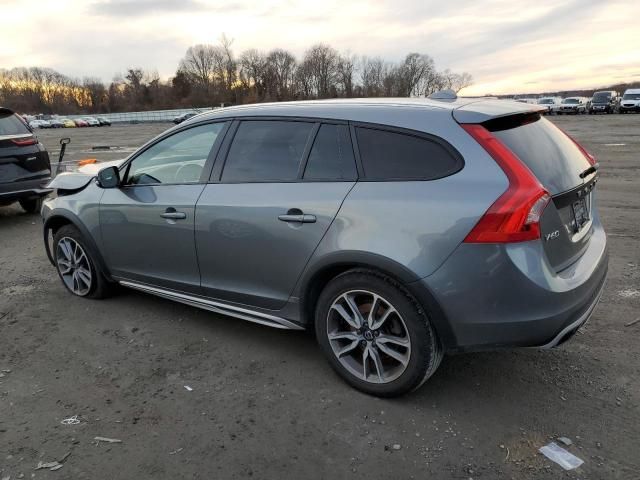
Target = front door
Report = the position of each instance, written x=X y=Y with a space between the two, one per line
x=147 y=224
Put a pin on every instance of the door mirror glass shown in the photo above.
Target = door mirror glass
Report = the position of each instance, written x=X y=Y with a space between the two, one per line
x=109 y=177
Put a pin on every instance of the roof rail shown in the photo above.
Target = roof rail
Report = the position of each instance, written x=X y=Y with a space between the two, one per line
x=447 y=94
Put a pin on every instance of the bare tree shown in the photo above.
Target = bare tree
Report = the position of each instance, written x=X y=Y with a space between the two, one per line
x=346 y=69
x=372 y=74
x=321 y=63
x=281 y=72
x=199 y=63
x=253 y=72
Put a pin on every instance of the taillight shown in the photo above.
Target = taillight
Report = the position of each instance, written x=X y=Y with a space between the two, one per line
x=515 y=215
x=590 y=158
x=23 y=142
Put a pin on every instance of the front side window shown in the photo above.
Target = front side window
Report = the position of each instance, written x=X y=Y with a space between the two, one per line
x=390 y=155
x=179 y=158
x=331 y=156
x=266 y=150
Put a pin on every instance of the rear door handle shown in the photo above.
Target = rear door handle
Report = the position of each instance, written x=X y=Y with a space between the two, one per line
x=301 y=218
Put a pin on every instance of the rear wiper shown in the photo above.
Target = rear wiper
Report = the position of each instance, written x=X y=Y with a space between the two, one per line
x=592 y=169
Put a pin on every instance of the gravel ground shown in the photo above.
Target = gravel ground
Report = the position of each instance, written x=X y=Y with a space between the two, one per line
x=263 y=403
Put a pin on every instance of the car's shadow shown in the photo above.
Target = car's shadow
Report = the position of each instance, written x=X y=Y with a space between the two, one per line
x=463 y=380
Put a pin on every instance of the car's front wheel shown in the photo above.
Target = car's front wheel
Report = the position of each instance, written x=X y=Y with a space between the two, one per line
x=76 y=266
x=375 y=334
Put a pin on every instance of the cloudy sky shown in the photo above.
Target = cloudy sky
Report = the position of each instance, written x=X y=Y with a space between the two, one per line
x=507 y=45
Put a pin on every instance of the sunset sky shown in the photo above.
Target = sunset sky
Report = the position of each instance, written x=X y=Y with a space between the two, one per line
x=507 y=45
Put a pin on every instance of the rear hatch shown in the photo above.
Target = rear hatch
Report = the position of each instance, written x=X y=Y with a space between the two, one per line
x=560 y=165
x=22 y=158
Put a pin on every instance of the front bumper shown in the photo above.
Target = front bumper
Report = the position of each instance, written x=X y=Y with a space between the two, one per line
x=12 y=191
x=634 y=108
x=497 y=296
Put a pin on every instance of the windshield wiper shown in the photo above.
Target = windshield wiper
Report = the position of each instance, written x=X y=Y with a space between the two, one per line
x=592 y=169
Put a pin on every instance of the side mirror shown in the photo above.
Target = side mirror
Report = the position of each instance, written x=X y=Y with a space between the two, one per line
x=109 y=177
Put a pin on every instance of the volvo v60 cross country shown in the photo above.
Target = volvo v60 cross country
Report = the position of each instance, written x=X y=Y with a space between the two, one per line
x=397 y=229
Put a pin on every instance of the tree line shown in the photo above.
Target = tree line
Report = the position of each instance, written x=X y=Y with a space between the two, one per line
x=211 y=75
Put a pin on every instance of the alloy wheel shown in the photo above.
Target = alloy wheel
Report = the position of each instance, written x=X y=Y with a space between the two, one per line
x=368 y=336
x=73 y=265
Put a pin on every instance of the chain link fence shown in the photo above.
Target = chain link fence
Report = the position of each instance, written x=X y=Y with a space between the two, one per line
x=145 y=117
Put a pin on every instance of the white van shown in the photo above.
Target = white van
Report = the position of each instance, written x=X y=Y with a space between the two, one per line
x=630 y=101
x=552 y=104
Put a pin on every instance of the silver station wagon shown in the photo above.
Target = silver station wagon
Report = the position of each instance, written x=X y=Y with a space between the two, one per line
x=396 y=229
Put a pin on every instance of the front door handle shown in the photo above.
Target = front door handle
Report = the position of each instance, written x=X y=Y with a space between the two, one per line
x=297 y=218
x=171 y=214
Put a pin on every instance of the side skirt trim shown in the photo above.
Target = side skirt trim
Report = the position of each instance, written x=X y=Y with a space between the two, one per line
x=217 y=307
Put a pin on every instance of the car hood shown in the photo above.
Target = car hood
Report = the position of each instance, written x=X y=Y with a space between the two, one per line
x=80 y=179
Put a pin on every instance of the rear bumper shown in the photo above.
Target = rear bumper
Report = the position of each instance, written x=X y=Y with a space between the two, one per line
x=13 y=191
x=496 y=296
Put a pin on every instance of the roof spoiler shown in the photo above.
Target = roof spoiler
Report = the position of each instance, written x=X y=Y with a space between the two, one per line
x=483 y=110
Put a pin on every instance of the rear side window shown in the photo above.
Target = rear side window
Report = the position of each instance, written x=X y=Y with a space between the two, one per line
x=390 y=155
x=10 y=124
x=331 y=156
x=266 y=150
x=552 y=156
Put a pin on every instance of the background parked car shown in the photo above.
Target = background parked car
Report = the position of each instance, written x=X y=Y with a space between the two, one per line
x=572 y=105
x=39 y=124
x=183 y=117
x=552 y=104
x=630 y=101
x=56 y=123
x=91 y=121
x=68 y=123
x=80 y=122
x=104 y=121
x=24 y=164
x=605 y=101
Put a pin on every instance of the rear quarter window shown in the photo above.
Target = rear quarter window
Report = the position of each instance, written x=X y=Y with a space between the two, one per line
x=10 y=124
x=391 y=155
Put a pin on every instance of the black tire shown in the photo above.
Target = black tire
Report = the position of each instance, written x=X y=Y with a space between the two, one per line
x=31 y=205
x=425 y=350
x=100 y=287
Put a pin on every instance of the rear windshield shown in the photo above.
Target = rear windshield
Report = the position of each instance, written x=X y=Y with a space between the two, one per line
x=10 y=124
x=552 y=156
x=545 y=101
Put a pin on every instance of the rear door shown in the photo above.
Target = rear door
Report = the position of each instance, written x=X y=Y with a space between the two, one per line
x=147 y=224
x=276 y=188
x=22 y=158
x=559 y=164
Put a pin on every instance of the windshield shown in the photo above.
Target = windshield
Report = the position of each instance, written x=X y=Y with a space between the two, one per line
x=545 y=101
x=571 y=101
x=631 y=96
x=601 y=97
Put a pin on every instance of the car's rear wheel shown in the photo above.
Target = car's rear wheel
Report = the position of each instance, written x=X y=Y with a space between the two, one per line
x=31 y=205
x=76 y=266
x=375 y=334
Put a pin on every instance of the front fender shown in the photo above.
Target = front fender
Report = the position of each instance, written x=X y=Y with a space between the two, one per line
x=58 y=217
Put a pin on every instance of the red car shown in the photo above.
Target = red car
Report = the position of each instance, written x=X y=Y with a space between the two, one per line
x=80 y=123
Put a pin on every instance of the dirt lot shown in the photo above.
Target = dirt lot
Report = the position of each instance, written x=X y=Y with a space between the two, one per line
x=265 y=404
